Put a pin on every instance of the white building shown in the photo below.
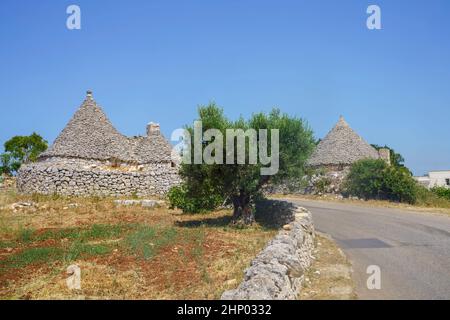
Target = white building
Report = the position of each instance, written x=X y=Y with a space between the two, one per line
x=435 y=179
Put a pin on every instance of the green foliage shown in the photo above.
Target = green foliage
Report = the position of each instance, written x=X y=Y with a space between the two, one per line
x=430 y=198
x=21 y=149
x=78 y=249
x=399 y=185
x=7 y=166
x=240 y=184
x=25 y=235
x=374 y=179
x=365 y=179
x=31 y=256
x=103 y=231
x=322 y=184
x=397 y=159
x=442 y=192
x=194 y=202
x=146 y=240
x=142 y=240
x=94 y=232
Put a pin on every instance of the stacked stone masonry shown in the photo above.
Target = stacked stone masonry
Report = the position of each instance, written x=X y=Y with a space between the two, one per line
x=76 y=177
x=278 y=271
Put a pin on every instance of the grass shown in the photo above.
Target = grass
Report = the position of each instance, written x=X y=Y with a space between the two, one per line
x=96 y=231
x=330 y=275
x=124 y=252
x=78 y=249
x=141 y=241
x=31 y=256
x=25 y=235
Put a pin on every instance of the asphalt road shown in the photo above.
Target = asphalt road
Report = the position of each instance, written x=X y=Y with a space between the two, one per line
x=411 y=248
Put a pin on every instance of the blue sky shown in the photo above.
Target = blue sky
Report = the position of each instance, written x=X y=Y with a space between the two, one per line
x=158 y=60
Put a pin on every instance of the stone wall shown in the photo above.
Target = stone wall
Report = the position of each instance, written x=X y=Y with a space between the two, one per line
x=278 y=271
x=77 y=177
x=325 y=180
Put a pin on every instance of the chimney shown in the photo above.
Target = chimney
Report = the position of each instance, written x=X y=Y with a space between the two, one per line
x=385 y=154
x=152 y=129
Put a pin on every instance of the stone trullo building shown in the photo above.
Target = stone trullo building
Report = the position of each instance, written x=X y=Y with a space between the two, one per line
x=340 y=148
x=90 y=157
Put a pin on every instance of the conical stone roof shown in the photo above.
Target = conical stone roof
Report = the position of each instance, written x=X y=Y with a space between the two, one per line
x=341 y=146
x=90 y=135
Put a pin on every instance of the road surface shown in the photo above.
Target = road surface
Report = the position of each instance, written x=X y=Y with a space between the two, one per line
x=411 y=248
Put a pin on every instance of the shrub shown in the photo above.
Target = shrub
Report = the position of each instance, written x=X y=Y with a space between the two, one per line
x=365 y=179
x=374 y=179
x=399 y=185
x=322 y=184
x=441 y=192
x=429 y=198
x=181 y=197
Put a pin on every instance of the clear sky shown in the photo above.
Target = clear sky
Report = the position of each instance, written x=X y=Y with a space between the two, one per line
x=158 y=60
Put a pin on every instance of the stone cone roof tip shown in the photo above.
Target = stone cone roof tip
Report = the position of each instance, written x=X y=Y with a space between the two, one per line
x=91 y=135
x=341 y=146
x=342 y=122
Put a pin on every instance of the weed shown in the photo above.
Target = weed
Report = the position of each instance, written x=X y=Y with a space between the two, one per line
x=25 y=235
x=31 y=256
x=145 y=241
x=140 y=241
x=78 y=249
x=6 y=244
x=103 y=231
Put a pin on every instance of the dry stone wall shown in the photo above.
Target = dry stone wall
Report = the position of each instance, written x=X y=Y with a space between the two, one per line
x=278 y=271
x=77 y=177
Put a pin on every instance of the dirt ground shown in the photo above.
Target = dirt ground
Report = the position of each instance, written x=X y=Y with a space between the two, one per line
x=329 y=277
x=124 y=252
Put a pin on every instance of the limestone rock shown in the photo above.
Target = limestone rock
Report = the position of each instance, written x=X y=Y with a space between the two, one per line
x=278 y=270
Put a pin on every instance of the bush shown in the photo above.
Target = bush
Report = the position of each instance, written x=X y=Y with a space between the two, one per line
x=181 y=197
x=365 y=179
x=400 y=185
x=429 y=198
x=374 y=179
x=322 y=184
x=441 y=192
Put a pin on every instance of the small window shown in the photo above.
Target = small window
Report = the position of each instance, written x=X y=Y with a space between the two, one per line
x=447 y=182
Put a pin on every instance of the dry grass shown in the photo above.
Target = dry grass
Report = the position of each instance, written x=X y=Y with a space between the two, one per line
x=329 y=277
x=365 y=203
x=123 y=252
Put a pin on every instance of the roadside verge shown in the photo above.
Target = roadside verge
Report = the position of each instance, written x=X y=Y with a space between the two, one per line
x=278 y=271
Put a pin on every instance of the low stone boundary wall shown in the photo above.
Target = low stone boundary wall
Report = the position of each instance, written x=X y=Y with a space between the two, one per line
x=72 y=181
x=278 y=270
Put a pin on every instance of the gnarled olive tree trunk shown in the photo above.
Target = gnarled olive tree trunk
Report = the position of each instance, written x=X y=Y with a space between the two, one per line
x=244 y=210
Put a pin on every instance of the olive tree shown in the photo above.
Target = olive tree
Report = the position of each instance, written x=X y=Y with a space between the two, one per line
x=240 y=157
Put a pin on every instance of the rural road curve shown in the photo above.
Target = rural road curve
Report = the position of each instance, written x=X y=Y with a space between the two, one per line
x=411 y=248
